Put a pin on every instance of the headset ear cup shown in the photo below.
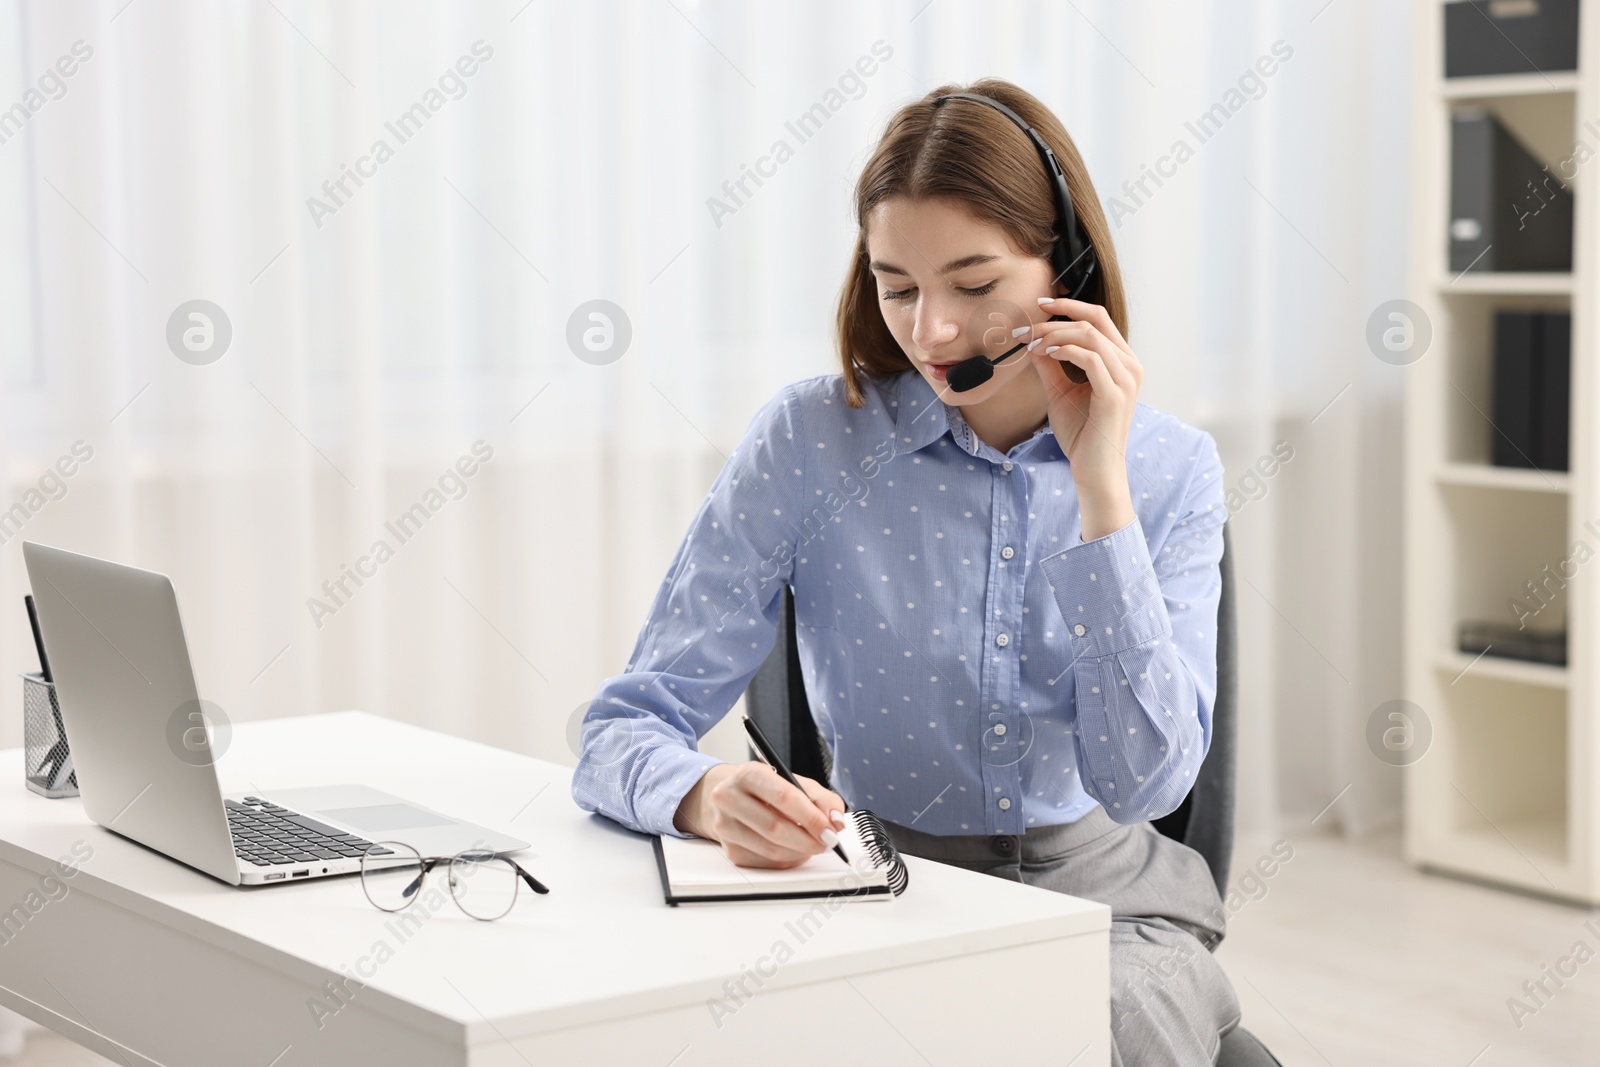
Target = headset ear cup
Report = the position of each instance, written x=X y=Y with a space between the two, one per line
x=1061 y=266
x=1083 y=281
x=1087 y=280
x=1076 y=276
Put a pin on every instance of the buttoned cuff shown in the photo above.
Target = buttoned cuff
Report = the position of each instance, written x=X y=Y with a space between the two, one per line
x=1108 y=593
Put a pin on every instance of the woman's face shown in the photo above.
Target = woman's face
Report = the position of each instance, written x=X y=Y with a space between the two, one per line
x=951 y=287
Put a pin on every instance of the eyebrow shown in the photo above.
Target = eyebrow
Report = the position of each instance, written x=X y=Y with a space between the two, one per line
x=949 y=268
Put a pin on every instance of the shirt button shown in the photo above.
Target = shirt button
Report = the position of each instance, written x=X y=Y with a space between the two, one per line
x=999 y=729
x=1007 y=552
x=1006 y=467
x=1005 y=804
x=1002 y=640
x=1078 y=629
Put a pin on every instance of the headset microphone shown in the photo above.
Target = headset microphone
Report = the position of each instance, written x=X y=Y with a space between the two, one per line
x=971 y=373
x=1071 y=257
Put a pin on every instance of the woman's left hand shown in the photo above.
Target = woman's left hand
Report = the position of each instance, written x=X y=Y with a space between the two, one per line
x=1091 y=420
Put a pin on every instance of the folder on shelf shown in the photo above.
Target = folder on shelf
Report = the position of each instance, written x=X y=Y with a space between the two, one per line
x=1554 y=393
x=1512 y=404
x=1532 y=389
x=1508 y=212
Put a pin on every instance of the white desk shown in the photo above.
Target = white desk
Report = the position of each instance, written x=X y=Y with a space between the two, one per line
x=148 y=962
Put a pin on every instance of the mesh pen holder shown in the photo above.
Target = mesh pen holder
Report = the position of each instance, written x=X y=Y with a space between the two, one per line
x=49 y=768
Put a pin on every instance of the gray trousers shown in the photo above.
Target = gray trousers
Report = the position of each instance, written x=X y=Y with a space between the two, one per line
x=1170 y=1001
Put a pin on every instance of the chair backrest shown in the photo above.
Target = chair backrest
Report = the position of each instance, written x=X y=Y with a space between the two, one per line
x=776 y=700
x=1204 y=821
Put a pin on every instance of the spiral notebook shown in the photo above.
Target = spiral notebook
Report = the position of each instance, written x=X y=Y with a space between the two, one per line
x=697 y=871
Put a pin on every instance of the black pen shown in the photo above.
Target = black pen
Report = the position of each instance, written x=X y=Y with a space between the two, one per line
x=769 y=756
x=38 y=638
x=56 y=777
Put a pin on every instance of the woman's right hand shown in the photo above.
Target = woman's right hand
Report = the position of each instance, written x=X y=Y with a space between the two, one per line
x=759 y=819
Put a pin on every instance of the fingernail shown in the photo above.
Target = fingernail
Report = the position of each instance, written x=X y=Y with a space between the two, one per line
x=1035 y=344
x=1047 y=300
x=1052 y=348
x=830 y=838
x=1020 y=330
x=838 y=819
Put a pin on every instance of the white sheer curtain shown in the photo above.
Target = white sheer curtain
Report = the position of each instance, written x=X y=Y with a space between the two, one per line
x=374 y=344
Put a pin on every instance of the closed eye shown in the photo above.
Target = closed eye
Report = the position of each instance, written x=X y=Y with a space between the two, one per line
x=903 y=294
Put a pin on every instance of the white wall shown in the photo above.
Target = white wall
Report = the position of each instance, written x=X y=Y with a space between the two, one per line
x=370 y=352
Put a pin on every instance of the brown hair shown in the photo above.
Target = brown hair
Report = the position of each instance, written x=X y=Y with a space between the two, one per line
x=970 y=153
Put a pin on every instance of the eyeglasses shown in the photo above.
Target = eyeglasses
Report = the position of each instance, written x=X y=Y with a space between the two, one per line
x=483 y=884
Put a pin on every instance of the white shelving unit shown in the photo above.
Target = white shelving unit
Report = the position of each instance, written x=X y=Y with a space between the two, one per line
x=1507 y=791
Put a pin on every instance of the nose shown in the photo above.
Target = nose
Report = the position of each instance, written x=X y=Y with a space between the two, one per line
x=936 y=325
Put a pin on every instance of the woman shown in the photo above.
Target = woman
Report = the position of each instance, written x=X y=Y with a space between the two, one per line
x=998 y=668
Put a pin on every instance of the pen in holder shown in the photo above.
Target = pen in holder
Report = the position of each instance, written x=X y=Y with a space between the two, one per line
x=49 y=768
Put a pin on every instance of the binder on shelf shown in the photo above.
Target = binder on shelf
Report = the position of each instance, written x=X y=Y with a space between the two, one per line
x=1484 y=37
x=1532 y=389
x=1512 y=404
x=1508 y=212
x=1510 y=642
x=1554 y=392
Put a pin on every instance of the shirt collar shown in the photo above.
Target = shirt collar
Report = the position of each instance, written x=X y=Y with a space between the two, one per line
x=921 y=418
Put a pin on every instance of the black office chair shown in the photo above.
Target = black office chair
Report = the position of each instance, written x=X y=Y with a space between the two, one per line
x=776 y=700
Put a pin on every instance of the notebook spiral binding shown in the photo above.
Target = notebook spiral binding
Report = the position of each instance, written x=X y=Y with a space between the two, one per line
x=880 y=848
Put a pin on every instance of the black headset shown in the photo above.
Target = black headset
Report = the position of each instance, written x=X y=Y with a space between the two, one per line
x=1072 y=257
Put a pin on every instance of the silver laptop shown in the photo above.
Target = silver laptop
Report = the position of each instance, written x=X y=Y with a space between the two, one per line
x=142 y=748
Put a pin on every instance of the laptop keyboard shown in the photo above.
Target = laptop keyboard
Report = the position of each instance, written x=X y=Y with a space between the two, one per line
x=266 y=834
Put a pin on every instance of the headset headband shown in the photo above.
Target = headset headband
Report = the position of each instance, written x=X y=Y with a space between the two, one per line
x=1071 y=251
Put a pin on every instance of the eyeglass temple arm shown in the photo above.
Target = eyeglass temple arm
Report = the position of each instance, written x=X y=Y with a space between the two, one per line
x=533 y=883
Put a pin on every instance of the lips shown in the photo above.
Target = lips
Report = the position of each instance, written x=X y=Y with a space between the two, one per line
x=941 y=370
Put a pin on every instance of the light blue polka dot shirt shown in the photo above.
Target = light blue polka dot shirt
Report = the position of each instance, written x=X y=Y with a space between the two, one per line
x=974 y=667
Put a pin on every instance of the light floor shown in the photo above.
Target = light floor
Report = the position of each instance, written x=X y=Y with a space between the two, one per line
x=1349 y=958
x=1354 y=958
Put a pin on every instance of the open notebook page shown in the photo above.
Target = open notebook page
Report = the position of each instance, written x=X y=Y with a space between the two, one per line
x=698 y=867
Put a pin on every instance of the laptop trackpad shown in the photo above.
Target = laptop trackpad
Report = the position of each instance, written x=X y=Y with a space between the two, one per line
x=381 y=818
x=376 y=815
